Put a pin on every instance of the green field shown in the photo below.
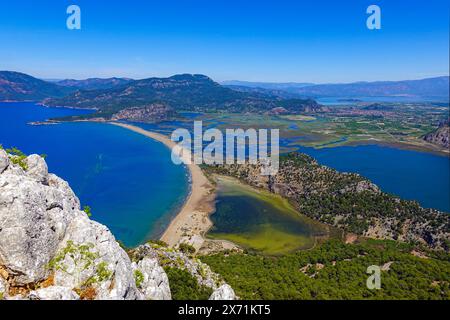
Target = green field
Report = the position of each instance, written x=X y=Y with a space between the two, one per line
x=403 y=125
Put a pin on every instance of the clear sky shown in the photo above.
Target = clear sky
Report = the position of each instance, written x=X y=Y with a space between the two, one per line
x=303 y=41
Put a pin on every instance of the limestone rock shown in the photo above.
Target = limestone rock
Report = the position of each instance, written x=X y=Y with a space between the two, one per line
x=3 y=288
x=155 y=283
x=37 y=168
x=54 y=293
x=4 y=161
x=224 y=292
x=40 y=218
x=109 y=271
x=177 y=259
x=33 y=220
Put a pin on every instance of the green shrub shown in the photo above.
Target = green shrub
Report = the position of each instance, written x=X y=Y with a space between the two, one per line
x=184 y=286
x=88 y=211
x=158 y=243
x=17 y=157
x=138 y=278
x=186 y=248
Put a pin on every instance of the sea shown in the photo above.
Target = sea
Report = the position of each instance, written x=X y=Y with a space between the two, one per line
x=132 y=186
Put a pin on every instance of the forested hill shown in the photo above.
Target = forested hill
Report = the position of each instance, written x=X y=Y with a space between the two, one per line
x=94 y=83
x=15 y=86
x=346 y=201
x=181 y=92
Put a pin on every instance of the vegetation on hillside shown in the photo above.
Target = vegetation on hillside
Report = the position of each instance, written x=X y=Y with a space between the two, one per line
x=181 y=92
x=15 y=86
x=336 y=270
x=184 y=286
x=347 y=201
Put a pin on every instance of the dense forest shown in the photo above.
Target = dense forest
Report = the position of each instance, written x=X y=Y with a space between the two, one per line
x=335 y=270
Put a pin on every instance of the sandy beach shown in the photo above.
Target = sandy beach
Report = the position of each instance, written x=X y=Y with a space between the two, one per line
x=192 y=222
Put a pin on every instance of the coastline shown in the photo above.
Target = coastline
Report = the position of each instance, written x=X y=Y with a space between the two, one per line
x=192 y=222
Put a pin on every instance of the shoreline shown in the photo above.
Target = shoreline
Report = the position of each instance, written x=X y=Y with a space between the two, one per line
x=192 y=221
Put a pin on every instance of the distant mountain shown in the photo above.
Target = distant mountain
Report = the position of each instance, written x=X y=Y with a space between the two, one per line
x=267 y=93
x=431 y=87
x=440 y=137
x=94 y=83
x=17 y=86
x=180 y=92
x=267 y=85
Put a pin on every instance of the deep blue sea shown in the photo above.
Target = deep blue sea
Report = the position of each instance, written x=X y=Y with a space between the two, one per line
x=412 y=175
x=127 y=179
x=133 y=187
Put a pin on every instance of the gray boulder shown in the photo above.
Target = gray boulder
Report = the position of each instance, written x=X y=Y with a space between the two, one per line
x=4 y=161
x=154 y=283
x=224 y=292
x=37 y=168
x=109 y=270
x=33 y=220
x=3 y=288
x=54 y=293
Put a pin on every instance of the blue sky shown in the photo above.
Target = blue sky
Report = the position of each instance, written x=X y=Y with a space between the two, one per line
x=302 y=41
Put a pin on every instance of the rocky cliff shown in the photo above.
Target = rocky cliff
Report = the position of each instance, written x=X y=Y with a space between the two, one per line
x=155 y=112
x=439 y=137
x=50 y=249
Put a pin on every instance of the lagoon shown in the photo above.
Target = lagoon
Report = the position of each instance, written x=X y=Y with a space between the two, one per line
x=261 y=221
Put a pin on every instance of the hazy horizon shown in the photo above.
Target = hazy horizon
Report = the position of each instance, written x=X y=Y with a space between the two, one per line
x=221 y=82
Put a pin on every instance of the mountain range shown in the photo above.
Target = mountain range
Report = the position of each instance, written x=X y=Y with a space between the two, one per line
x=196 y=92
x=185 y=92
x=267 y=85
x=16 y=86
x=437 y=87
x=93 y=83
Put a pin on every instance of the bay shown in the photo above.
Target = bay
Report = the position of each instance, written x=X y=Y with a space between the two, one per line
x=127 y=179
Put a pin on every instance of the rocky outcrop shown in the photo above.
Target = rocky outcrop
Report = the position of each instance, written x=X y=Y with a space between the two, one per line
x=4 y=161
x=169 y=257
x=224 y=292
x=51 y=250
x=439 y=137
x=3 y=287
x=151 y=279
x=44 y=235
x=155 y=112
x=54 y=293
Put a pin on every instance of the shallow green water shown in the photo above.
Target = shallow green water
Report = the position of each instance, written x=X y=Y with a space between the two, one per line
x=261 y=221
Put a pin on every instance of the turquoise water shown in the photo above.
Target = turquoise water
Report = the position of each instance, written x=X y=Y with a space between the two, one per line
x=127 y=179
